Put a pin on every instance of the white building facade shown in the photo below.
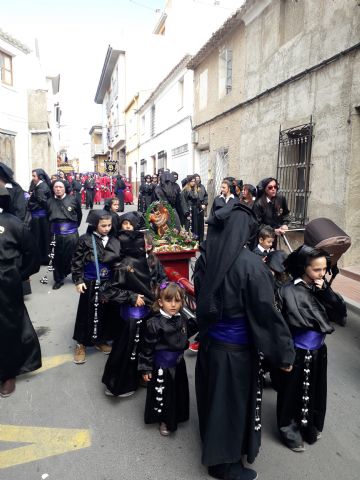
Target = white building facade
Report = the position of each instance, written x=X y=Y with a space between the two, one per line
x=165 y=138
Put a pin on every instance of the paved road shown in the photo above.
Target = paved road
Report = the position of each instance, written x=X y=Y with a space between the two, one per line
x=71 y=396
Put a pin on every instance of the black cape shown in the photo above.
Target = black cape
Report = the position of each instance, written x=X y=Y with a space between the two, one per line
x=19 y=345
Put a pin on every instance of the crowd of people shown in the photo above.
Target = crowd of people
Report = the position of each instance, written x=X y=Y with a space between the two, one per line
x=258 y=310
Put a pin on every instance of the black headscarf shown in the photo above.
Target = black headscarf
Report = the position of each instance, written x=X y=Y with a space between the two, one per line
x=135 y=218
x=230 y=228
x=275 y=260
x=6 y=173
x=94 y=217
x=64 y=182
x=42 y=175
x=300 y=258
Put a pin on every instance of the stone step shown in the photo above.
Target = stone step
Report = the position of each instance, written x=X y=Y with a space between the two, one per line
x=352 y=272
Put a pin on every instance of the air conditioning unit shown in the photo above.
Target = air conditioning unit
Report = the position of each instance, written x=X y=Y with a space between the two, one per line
x=195 y=137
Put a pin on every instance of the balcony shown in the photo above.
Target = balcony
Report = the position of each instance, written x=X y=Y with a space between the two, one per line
x=98 y=150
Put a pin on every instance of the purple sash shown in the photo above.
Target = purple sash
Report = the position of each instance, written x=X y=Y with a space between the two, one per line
x=127 y=311
x=231 y=330
x=64 y=228
x=308 y=339
x=166 y=358
x=90 y=271
x=40 y=213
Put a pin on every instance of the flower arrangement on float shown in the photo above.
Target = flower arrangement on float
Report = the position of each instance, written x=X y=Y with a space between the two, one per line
x=160 y=222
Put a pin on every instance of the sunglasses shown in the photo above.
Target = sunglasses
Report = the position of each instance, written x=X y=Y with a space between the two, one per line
x=272 y=187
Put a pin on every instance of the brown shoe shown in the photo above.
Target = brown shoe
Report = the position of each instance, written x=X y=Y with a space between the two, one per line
x=164 y=430
x=103 y=347
x=7 y=387
x=79 y=353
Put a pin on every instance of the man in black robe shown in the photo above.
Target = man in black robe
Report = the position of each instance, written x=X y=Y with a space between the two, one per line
x=19 y=345
x=76 y=187
x=119 y=190
x=237 y=321
x=65 y=217
x=89 y=186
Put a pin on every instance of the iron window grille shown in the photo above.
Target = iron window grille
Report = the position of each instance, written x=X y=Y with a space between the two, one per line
x=293 y=169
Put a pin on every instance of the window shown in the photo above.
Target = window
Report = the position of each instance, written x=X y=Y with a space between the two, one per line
x=293 y=169
x=152 y=121
x=180 y=150
x=162 y=160
x=181 y=93
x=143 y=125
x=225 y=72
x=7 y=148
x=6 y=69
x=203 y=89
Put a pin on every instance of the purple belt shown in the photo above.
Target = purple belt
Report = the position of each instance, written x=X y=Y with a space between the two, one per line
x=64 y=228
x=231 y=330
x=90 y=271
x=166 y=358
x=39 y=213
x=308 y=339
x=127 y=311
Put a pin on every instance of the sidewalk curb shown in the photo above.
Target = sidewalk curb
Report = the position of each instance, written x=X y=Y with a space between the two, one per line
x=352 y=305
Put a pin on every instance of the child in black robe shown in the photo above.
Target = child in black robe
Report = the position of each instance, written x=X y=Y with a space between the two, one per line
x=161 y=360
x=135 y=276
x=93 y=325
x=307 y=304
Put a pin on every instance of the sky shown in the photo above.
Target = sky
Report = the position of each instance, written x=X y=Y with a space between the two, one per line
x=73 y=38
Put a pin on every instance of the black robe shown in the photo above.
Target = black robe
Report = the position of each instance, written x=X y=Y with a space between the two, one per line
x=39 y=226
x=19 y=345
x=146 y=196
x=192 y=212
x=132 y=276
x=17 y=202
x=67 y=209
x=84 y=324
x=170 y=404
x=307 y=309
x=234 y=283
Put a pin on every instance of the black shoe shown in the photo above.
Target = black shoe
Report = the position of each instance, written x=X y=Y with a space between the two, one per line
x=57 y=285
x=232 y=471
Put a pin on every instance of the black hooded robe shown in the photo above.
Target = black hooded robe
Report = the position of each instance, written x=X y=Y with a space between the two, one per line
x=19 y=346
x=39 y=224
x=132 y=277
x=84 y=323
x=235 y=283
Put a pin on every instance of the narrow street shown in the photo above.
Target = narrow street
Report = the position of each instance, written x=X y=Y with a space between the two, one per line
x=95 y=437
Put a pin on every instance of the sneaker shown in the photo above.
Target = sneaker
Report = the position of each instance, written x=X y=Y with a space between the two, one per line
x=299 y=448
x=164 y=430
x=79 y=354
x=194 y=346
x=123 y=395
x=7 y=387
x=103 y=347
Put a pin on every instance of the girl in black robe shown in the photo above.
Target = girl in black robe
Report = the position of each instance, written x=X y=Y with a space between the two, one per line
x=307 y=304
x=93 y=325
x=161 y=360
x=19 y=345
x=40 y=192
x=112 y=205
x=131 y=290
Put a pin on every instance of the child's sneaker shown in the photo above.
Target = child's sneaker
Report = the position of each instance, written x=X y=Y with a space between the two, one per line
x=194 y=347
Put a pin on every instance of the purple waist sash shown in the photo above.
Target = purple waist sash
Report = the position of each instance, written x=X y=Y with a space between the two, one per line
x=40 y=213
x=167 y=359
x=127 y=311
x=231 y=330
x=90 y=271
x=64 y=228
x=308 y=339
